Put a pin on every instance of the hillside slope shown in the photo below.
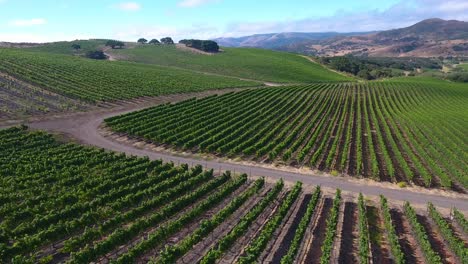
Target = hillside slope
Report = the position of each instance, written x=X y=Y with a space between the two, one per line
x=247 y=63
x=65 y=47
x=280 y=40
x=105 y=80
x=428 y=38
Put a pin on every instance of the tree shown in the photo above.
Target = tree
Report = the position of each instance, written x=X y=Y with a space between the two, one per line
x=96 y=55
x=365 y=74
x=154 y=41
x=205 y=45
x=167 y=41
x=209 y=46
x=142 y=41
x=114 y=43
x=192 y=43
x=76 y=46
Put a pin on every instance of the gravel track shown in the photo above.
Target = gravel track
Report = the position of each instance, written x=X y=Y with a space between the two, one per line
x=84 y=128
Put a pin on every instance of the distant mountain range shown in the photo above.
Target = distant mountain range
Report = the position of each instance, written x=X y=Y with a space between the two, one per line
x=428 y=38
x=280 y=40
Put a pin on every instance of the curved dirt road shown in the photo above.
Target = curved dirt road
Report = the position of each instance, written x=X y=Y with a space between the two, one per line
x=84 y=128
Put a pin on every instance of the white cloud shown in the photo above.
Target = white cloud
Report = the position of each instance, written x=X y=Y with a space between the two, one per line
x=129 y=6
x=134 y=32
x=453 y=6
x=27 y=22
x=40 y=38
x=402 y=14
x=195 y=3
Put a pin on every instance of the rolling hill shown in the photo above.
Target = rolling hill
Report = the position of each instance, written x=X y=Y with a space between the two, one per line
x=249 y=63
x=280 y=40
x=93 y=80
x=428 y=38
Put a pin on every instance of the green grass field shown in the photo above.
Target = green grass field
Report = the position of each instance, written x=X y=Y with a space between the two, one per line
x=257 y=64
x=65 y=47
x=93 y=80
x=405 y=130
x=463 y=66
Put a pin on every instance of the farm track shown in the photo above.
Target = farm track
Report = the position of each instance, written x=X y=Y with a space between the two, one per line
x=236 y=219
x=84 y=127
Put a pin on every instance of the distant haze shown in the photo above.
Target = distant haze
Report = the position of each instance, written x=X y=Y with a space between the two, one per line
x=428 y=38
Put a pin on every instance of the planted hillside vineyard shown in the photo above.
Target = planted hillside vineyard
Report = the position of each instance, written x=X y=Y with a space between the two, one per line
x=93 y=80
x=19 y=99
x=66 y=203
x=388 y=131
x=251 y=63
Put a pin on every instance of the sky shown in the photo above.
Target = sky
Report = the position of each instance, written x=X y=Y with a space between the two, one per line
x=54 y=20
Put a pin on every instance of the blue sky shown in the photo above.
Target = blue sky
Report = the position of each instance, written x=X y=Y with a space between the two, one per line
x=52 y=20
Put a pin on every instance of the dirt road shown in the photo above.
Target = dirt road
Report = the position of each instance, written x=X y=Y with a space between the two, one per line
x=84 y=128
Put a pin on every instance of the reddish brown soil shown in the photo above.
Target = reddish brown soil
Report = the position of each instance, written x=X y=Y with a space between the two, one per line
x=407 y=243
x=287 y=239
x=366 y=162
x=239 y=246
x=352 y=166
x=458 y=231
x=331 y=136
x=349 y=235
x=200 y=249
x=379 y=247
x=116 y=252
x=399 y=174
x=383 y=172
x=174 y=239
x=340 y=141
x=436 y=240
x=315 y=251
x=294 y=162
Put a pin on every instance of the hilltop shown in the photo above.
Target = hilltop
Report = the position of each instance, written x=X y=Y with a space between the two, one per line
x=247 y=63
x=428 y=38
x=281 y=40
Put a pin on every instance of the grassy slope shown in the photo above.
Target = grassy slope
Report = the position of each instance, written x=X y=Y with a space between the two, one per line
x=104 y=80
x=248 y=63
x=426 y=80
x=463 y=66
x=65 y=47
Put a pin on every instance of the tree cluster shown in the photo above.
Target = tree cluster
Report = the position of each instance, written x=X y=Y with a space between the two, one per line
x=76 y=46
x=115 y=44
x=204 y=45
x=164 y=41
x=360 y=67
x=96 y=55
x=458 y=77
